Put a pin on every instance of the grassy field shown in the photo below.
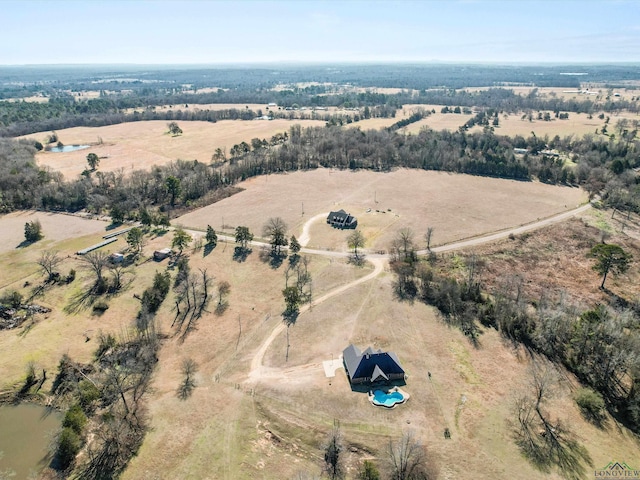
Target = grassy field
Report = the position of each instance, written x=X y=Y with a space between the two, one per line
x=600 y=91
x=274 y=428
x=141 y=145
x=405 y=198
x=578 y=124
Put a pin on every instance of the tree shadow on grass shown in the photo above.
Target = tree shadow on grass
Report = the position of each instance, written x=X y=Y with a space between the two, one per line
x=357 y=260
x=208 y=248
x=25 y=243
x=275 y=260
x=566 y=454
x=113 y=226
x=289 y=317
x=221 y=307
x=80 y=301
x=185 y=389
x=240 y=254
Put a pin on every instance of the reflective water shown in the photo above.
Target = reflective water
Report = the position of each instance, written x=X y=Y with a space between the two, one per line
x=67 y=148
x=26 y=431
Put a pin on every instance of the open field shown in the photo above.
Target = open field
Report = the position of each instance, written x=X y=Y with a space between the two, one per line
x=59 y=331
x=234 y=106
x=405 y=198
x=55 y=227
x=439 y=121
x=273 y=426
x=578 y=124
x=600 y=91
x=141 y=145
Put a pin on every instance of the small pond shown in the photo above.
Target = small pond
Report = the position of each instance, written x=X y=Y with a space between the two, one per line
x=66 y=148
x=26 y=433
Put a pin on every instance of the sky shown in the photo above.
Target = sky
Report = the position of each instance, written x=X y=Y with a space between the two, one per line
x=222 y=32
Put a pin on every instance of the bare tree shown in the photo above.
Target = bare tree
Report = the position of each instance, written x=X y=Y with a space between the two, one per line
x=192 y=298
x=48 y=261
x=544 y=441
x=428 y=236
x=96 y=262
x=355 y=241
x=333 y=458
x=407 y=459
x=189 y=369
x=405 y=244
x=276 y=230
x=118 y=272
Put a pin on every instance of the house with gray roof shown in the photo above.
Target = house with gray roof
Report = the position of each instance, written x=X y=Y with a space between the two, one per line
x=371 y=366
x=342 y=219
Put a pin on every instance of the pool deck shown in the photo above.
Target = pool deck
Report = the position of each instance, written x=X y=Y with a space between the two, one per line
x=405 y=397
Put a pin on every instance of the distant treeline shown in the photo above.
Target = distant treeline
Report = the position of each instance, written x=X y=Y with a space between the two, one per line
x=603 y=166
x=38 y=120
x=63 y=111
x=23 y=81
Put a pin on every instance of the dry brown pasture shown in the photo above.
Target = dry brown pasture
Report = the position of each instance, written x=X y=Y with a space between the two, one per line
x=554 y=260
x=57 y=332
x=273 y=429
x=439 y=121
x=569 y=93
x=141 y=145
x=379 y=123
x=456 y=206
x=578 y=124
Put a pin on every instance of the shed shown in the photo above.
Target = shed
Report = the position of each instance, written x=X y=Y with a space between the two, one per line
x=116 y=258
x=162 y=254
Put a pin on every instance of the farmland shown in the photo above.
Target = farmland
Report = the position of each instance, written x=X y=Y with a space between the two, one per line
x=385 y=203
x=245 y=427
x=141 y=145
x=505 y=285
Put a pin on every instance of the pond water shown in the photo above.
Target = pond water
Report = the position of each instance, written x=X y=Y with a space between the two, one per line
x=26 y=431
x=66 y=148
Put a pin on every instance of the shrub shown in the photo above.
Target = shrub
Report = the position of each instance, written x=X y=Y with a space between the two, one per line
x=368 y=471
x=88 y=394
x=106 y=343
x=591 y=405
x=100 y=306
x=12 y=298
x=68 y=448
x=75 y=419
x=71 y=277
x=32 y=231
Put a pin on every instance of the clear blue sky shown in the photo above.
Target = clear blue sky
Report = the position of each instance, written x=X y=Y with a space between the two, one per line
x=205 y=31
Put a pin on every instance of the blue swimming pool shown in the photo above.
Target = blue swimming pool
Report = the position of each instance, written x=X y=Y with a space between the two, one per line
x=387 y=399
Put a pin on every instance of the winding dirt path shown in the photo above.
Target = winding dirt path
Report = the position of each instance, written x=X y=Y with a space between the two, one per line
x=258 y=371
x=504 y=234
x=305 y=237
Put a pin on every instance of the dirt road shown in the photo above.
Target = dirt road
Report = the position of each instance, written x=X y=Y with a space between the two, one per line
x=258 y=371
